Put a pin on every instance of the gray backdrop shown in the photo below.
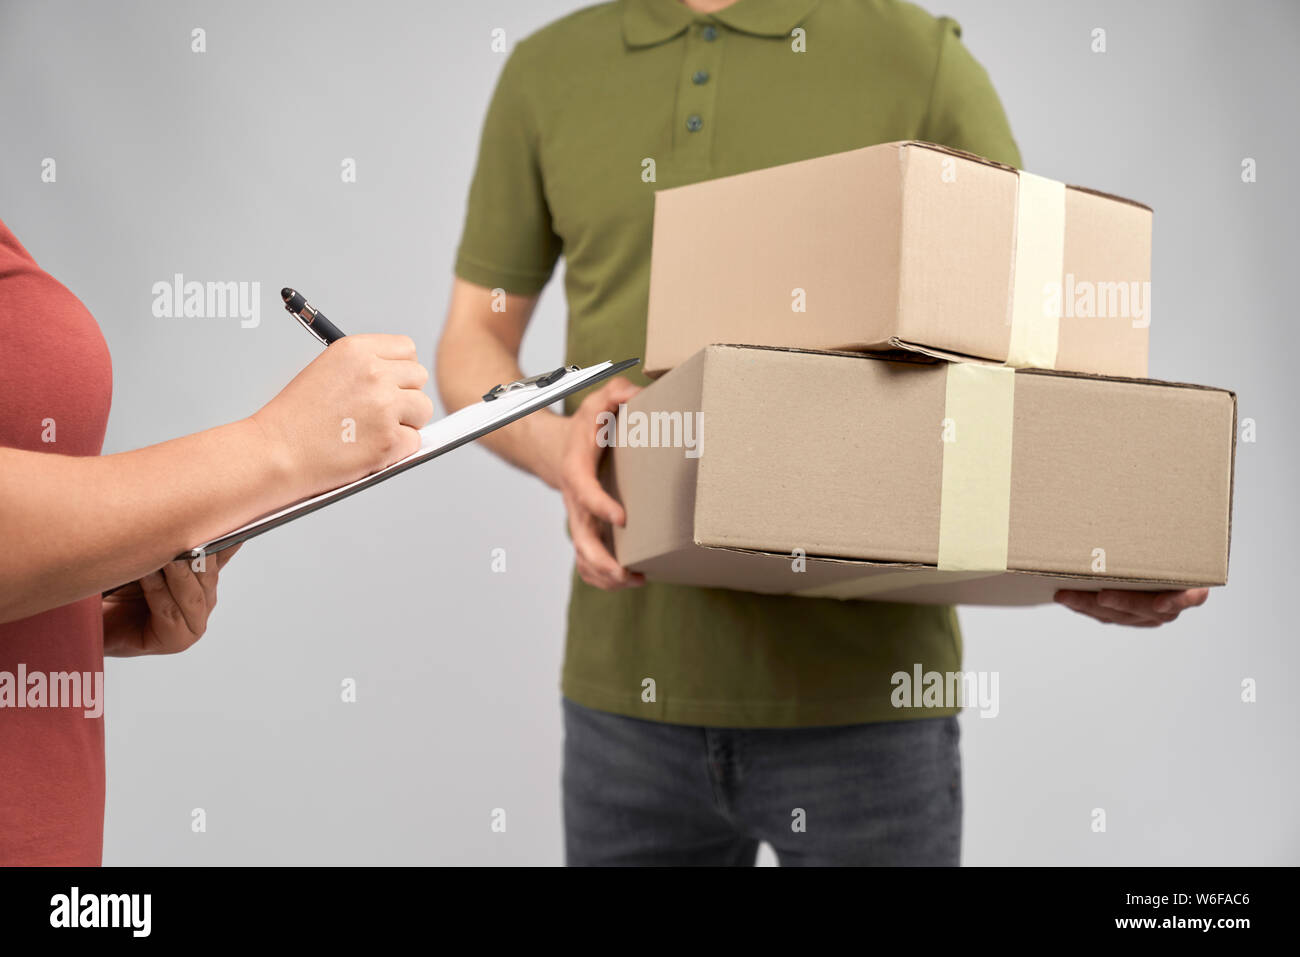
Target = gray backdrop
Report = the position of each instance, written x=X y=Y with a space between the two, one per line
x=226 y=166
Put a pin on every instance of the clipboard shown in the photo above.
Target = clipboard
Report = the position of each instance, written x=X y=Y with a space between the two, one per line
x=501 y=405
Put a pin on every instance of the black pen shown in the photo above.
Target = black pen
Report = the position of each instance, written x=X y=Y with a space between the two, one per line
x=311 y=319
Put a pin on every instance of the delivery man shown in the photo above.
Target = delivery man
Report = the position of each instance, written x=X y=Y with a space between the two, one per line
x=699 y=722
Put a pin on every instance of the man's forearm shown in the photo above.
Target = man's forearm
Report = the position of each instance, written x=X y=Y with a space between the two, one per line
x=479 y=348
x=528 y=444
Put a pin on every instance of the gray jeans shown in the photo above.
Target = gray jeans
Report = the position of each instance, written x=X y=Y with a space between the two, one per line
x=648 y=793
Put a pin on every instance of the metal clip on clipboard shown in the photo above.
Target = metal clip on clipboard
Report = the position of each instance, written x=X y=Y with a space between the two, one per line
x=536 y=381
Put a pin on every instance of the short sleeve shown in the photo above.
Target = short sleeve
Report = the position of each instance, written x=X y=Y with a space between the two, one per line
x=508 y=241
x=965 y=112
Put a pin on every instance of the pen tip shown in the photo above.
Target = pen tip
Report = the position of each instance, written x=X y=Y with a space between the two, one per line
x=286 y=293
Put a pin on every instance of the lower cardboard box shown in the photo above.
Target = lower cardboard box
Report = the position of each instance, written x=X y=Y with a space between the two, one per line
x=853 y=476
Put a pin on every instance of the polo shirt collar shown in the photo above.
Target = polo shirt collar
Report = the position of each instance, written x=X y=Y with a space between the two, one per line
x=648 y=22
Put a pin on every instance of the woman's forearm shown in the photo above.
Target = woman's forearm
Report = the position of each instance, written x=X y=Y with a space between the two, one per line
x=74 y=526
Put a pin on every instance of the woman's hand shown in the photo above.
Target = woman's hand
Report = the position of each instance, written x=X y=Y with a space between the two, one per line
x=166 y=611
x=356 y=408
x=1142 y=609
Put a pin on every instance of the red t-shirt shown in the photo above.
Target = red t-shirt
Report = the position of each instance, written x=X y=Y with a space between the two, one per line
x=56 y=381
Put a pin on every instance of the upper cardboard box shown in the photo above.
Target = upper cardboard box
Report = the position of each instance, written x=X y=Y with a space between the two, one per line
x=903 y=246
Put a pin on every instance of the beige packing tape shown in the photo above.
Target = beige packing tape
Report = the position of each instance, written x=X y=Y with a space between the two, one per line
x=975 y=502
x=869 y=585
x=1039 y=264
x=975 y=497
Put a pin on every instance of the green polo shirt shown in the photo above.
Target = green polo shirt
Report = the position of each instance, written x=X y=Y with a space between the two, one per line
x=579 y=109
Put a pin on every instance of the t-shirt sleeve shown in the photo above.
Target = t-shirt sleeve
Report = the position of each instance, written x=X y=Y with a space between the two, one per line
x=508 y=240
x=965 y=112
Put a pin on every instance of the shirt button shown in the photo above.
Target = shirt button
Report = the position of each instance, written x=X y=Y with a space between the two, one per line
x=700 y=77
x=710 y=33
x=694 y=122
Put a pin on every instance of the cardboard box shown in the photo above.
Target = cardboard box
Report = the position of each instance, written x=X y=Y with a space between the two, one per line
x=920 y=481
x=902 y=246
